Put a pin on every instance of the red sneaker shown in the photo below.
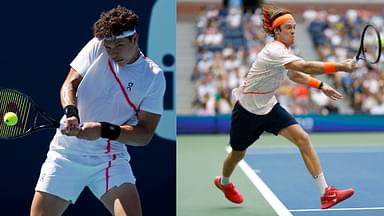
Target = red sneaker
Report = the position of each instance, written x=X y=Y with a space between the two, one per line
x=332 y=196
x=229 y=191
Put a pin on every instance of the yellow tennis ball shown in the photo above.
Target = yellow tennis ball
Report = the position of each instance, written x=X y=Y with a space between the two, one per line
x=10 y=118
x=382 y=42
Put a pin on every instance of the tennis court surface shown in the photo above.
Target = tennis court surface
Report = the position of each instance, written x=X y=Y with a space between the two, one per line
x=273 y=177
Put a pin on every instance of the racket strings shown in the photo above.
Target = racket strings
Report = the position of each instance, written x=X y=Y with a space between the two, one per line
x=371 y=47
x=12 y=101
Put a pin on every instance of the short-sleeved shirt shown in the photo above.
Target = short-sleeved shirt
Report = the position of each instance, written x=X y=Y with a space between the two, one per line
x=112 y=93
x=257 y=93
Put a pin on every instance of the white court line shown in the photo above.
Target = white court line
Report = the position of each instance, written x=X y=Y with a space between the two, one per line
x=269 y=196
x=267 y=151
x=337 y=209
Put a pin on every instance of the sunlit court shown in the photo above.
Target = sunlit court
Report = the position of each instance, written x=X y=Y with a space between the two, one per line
x=273 y=178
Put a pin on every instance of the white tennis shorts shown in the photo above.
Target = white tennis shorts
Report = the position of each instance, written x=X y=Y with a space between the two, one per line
x=67 y=176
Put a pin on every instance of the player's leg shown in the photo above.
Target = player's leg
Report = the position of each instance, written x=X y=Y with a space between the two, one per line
x=245 y=130
x=60 y=183
x=300 y=138
x=123 y=200
x=280 y=122
x=47 y=204
x=231 y=161
x=114 y=185
x=223 y=183
x=330 y=195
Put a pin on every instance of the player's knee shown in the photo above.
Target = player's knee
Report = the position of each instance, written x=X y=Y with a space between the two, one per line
x=123 y=200
x=124 y=210
x=47 y=204
x=303 y=141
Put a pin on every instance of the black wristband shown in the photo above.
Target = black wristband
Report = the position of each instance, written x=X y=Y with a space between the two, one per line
x=321 y=85
x=70 y=111
x=109 y=131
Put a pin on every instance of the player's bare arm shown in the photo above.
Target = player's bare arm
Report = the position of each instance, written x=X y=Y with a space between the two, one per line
x=138 y=135
x=317 y=67
x=304 y=79
x=298 y=77
x=68 y=99
x=143 y=132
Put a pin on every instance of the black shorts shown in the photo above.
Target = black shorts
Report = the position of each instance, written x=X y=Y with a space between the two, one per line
x=247 y=127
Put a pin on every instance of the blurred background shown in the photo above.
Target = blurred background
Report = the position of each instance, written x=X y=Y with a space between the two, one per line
x=217 y=41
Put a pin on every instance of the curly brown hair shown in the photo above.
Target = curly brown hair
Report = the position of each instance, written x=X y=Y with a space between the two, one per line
x=269 y=14
x=114 y=22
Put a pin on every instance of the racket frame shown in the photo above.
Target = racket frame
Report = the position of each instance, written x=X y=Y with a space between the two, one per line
x=361 y=48
x=34 y=116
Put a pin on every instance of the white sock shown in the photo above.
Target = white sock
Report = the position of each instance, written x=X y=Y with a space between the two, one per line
x=321 y=182
x=224 y=180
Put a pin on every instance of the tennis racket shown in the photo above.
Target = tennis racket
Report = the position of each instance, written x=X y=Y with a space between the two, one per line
x=30 y=117
x=370 y=45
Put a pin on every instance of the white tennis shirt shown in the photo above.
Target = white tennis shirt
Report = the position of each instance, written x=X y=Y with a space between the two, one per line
x=100 y=96
x=257 y=93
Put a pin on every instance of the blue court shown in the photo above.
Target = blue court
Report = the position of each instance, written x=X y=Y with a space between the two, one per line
x=284 y=173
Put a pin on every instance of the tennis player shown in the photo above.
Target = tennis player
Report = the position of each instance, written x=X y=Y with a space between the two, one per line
x=257 y=109
x=112 y=97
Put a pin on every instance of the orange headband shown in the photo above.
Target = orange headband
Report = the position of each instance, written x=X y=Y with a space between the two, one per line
x=282 y=19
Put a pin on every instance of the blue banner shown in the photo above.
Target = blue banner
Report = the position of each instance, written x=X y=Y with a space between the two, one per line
x=190 y=124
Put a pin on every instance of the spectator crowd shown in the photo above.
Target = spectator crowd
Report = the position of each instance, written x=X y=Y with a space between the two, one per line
x=229 y=39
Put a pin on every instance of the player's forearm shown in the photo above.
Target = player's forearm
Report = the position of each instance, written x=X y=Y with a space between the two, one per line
x=298 y=77
x=135 y=135
x=317 y=67
x=313 y=67
x=127 y=134
x=305 y=79
x=138 y=135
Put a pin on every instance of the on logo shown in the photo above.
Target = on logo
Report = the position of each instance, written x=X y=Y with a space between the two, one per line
x=130 y=85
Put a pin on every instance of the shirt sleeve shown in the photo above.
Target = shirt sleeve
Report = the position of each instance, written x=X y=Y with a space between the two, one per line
x=284 y=56
x=87 y=56
x=153 y=101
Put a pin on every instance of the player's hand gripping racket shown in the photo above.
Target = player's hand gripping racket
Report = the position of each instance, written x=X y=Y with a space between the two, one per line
x=370 y=45
x=27 y=114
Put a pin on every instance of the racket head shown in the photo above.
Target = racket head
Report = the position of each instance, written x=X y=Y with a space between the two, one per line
x=26 y=110
x=370 y=45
